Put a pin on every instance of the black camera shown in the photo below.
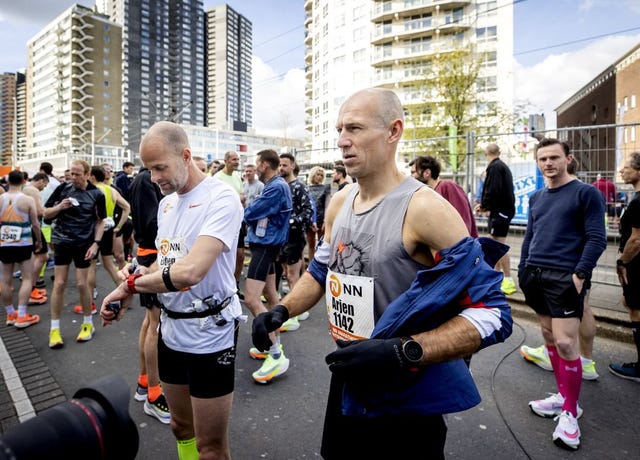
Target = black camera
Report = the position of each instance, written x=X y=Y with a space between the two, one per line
x=114 y=307
x=94 y=424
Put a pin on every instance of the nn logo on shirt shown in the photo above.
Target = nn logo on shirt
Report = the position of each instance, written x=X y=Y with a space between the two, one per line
x=166 y=246
x=336 y=288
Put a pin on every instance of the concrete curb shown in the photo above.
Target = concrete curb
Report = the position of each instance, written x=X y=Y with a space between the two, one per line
x=610 y=324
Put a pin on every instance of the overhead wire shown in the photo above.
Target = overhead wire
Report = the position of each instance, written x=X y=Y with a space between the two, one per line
x=580 y=40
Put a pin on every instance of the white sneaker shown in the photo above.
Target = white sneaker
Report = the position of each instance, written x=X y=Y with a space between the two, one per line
x=567 y=432
x=550 y=406
x=304 y=316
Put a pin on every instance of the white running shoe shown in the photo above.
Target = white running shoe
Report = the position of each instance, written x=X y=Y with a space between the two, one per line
x=567 y=432
x=551 y=406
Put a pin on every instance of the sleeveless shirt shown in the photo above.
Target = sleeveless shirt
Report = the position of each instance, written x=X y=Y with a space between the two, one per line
x=108 y=198
x=368 y=247
x=15 y=228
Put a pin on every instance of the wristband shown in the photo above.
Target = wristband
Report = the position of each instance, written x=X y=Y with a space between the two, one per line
x=131 y=282
x=97 y=242
x=620 y=263
x=166 y=277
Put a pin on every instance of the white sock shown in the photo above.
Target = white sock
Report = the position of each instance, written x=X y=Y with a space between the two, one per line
x=10 y=309
x=22 y=310
x=88 y=320
x=274 y=351
x=55 y=324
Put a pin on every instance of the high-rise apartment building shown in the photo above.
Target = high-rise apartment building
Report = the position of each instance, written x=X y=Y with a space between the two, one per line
x=20 y=135
x=163 y=63
x=7 y=117
x=229 y=54
x=356 y=44
x=74 y=82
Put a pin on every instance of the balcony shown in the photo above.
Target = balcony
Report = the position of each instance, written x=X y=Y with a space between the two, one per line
x=415 y=51
x=308 y=55
x=408 y=74
x=419 y=28
x=398 y=9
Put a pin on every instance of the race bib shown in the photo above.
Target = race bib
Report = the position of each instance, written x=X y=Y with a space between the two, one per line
x=349 y=306
x=10 y=233
x=170 y=250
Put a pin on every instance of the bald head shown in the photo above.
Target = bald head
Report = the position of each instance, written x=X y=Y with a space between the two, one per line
x=493 y=150
x=385 y=103
x=170 y=134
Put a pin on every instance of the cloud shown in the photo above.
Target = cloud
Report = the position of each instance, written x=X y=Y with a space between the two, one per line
x=33 y=12
x=544 y=86
x=278 y=101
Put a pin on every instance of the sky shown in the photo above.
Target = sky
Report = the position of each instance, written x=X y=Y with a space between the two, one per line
x=575 y=41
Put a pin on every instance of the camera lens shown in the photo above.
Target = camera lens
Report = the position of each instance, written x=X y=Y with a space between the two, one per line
x=94 y=424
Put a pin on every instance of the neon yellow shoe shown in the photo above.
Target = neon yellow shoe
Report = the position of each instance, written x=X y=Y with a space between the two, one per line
x=589 y=370
x=271 y=367
x=538 y=356
x=292 y=324
x=86 y=333
x=55 y=339
x=508 y=286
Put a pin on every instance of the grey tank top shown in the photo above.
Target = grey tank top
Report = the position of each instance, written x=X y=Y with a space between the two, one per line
x=370 y=244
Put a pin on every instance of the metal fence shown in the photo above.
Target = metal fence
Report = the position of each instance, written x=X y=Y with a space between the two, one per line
x=599 y=150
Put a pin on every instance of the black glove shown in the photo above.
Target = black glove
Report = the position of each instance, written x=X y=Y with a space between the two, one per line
x=372 y=358
x=268 y=322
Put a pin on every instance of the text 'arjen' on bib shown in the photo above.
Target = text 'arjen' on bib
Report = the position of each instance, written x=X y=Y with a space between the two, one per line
x=349 y=306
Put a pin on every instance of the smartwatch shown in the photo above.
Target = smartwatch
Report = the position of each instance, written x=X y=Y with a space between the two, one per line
x=131 y=282
x=580 y=275
x=412 y=352
x=620 y=263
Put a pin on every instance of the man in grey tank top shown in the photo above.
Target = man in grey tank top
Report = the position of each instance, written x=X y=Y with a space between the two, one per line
x=380 y=232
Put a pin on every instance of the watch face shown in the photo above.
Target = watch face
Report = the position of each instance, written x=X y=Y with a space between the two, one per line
x=413 y=351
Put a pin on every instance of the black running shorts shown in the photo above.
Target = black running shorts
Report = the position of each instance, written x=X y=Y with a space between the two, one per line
x=262 y=261
x=64 y=254
x=552 y=292
x=15 y=254
x=208 y=375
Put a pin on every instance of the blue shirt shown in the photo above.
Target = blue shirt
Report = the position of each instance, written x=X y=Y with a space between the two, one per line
x=566 y=229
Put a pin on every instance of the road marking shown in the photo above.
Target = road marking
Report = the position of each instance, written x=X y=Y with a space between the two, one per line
x=21 y=402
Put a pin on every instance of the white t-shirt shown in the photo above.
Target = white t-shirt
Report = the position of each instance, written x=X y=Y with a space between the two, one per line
x=212 y=208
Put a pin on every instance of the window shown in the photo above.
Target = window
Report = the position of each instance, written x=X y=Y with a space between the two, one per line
x=484 y=34
x=633 y=101
x=359 y=33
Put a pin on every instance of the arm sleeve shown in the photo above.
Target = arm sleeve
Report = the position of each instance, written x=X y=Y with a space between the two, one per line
x=595 y=233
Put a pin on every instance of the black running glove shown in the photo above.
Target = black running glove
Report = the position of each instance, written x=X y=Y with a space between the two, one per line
x=265 y=323
x=363 y=359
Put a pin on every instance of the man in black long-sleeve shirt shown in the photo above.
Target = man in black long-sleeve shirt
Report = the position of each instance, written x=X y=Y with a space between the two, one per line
x=498 y=201
x=565 y=237
x=144 y=197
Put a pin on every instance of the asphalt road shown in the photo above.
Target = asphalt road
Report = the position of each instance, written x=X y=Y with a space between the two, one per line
x=283 y=420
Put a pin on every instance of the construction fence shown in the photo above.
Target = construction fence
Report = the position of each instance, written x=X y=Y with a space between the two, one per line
x=600 y=151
